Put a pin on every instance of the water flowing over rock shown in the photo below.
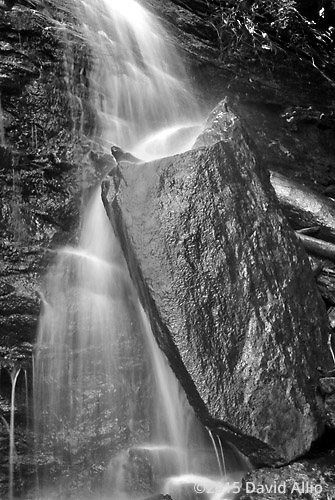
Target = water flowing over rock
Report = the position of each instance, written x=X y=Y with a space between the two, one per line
x=103 y=392
x=60 y=98
x=40 y=146
x=45 y=120
x=134 y=76
x=227 y=287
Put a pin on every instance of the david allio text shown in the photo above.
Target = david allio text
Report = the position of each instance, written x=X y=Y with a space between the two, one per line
x=283 y=487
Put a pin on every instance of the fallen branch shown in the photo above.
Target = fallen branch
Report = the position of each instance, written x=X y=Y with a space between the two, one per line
x=330 y=346
x=303 y=207
x=319 y=247
x=309 y=230
x=6 y=424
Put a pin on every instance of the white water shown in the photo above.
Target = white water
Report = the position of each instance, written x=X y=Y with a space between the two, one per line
x=91 y=383
x=79 y=325
x=137 y=81
x=87 y=384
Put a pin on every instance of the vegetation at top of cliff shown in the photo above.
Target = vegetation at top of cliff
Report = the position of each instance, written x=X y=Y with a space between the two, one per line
x=255 y=28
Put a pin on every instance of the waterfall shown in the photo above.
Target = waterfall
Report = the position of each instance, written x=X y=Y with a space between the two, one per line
x=91 y=376
x=86 y=326
x=138 y=86
x=105 y=397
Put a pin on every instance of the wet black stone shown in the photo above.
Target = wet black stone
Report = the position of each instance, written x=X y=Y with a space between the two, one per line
x=226 y=285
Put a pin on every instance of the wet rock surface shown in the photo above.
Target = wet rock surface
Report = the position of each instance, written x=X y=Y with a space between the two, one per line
x=42 y=187
x=40 y=160
x=302 y=206
x=312 y=480
x=327 y=388
x=285 y=98
x=203 y=229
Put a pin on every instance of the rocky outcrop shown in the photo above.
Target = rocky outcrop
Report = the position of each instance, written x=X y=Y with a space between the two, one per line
x=227 y=287
x=304 y=207
x=313 y=479
x=285 y=97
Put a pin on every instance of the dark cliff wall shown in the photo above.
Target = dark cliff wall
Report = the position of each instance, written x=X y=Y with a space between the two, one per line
x=43 y=150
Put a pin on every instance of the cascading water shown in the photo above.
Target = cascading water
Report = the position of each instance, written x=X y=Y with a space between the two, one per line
x=86 y=343
x=93 y=393
x=138 y=86
x=105 y=396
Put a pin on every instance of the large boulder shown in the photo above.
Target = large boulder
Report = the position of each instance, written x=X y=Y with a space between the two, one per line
x=229 y=292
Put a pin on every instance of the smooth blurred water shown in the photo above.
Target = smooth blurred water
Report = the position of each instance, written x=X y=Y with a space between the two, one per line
x=89 y=305
x=104 y=392
x=99 y=372
x=138 y=84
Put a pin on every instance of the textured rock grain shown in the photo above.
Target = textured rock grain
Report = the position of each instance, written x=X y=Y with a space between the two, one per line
x=227 y=287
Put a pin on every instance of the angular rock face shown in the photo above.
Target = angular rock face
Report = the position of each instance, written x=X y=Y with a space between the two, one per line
x=230 y=294
x=292 y=125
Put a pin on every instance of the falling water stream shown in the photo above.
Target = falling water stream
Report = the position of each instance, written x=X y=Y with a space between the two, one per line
x=14 y=373
x=102 y=386
x=138 y=85
x=91 y=382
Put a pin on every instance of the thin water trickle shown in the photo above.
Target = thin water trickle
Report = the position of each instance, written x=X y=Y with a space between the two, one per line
x=26 y=393
x=224 y=469
x=212 y=436
x=14 y=373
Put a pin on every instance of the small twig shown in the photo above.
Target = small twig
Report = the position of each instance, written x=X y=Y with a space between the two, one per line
x=309 y=230
x=331 y=347
x=6 y=424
